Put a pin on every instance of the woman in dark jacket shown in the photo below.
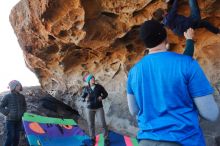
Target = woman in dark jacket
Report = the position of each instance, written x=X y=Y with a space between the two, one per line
x=94 y=94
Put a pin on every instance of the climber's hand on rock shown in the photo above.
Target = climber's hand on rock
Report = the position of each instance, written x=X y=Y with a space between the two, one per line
x=189 y=34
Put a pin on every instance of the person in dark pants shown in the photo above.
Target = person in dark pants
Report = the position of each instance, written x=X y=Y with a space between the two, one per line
x=13 y=107
x=94 y=94
x=179 y=23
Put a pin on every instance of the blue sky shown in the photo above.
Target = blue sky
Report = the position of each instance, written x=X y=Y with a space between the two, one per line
x=11 y=57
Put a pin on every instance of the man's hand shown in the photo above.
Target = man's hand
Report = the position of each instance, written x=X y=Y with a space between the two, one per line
x=189 y=34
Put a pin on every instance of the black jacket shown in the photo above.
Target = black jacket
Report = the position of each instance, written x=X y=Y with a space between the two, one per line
x=13 y=106
x=93 y=102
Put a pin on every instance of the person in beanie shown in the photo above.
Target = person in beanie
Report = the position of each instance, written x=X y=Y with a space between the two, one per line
x=94 y=93
x=167 y=92
x=13 y=106
x=179 y=23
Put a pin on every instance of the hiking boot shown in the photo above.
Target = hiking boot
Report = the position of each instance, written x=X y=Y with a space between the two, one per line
x=107 y=142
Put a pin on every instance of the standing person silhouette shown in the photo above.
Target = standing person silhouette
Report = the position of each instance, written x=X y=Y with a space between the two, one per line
x=94 y=93
x=13 y=106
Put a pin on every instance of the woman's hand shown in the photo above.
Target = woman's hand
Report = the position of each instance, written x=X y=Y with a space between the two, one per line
x=100 y=98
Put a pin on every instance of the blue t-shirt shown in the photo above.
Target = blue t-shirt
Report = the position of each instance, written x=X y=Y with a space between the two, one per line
x=164 y=85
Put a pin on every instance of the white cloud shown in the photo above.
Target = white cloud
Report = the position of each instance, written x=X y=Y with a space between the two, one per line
x=11 y=57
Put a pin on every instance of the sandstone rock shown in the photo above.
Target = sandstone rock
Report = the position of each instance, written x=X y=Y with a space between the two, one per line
x=62 y=39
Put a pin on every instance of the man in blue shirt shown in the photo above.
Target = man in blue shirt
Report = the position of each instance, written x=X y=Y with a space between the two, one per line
x=179 y=23
x=167 y=92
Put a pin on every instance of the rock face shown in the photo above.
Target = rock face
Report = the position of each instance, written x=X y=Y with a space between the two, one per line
x=62 y=39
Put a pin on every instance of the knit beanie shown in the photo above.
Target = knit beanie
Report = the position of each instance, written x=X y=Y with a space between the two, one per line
x=12 y=85
x=152 y=33
x=88 y=77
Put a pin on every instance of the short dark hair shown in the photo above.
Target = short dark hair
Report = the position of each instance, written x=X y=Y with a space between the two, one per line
x=158 y=15
x=152 y=33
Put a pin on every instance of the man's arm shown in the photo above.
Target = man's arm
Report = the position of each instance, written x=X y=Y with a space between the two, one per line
x=207 y=107
x=132 y=105
x=189 y=49
x=201 y=91
x=3 y=106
